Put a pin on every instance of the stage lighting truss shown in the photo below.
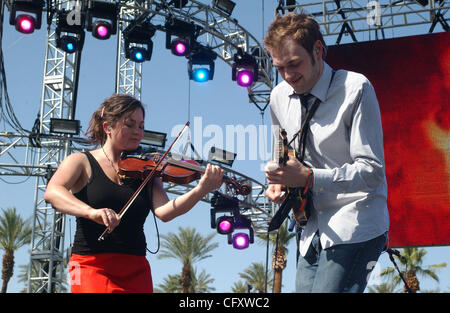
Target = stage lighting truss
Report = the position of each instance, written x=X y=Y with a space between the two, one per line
x=199 y=57
x=184 y=33
x=245 y=69
x=26 y=23
x=101 y=19
x=228 y=224
x=138 y=42
x=69 y=38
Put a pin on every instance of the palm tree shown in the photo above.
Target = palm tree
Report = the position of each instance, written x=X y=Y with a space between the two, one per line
x=388 y=287
x=255 y=275
x=188 y=246
x=412 y=261
x=170 y=284
x=14 y=233
x=239 y=287
x=279 y=259
x=200 y=283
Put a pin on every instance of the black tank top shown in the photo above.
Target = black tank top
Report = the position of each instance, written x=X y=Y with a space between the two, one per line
x=101 y=192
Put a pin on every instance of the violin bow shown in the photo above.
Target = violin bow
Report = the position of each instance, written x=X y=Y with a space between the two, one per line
x=146 y=180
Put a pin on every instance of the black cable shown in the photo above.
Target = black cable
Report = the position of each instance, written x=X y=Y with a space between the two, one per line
x=157 y=233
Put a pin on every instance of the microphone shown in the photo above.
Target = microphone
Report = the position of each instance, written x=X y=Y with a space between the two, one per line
x=396 y=253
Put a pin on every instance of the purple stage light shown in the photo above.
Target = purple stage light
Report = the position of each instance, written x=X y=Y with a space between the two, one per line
x=240 y=241
x=102 y=30
x=225 y=225
x=180 y=46
x=25 y=24
x=244 y=78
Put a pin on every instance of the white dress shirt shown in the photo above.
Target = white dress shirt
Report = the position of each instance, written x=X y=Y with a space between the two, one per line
x=345 y=150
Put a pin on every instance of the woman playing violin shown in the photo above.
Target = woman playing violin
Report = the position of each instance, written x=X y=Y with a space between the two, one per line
x=87 y=185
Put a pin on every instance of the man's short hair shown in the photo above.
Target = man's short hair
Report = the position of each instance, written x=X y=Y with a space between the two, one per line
x=300 y=27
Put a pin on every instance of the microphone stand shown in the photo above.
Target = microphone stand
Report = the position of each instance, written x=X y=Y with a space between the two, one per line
x=391 y=253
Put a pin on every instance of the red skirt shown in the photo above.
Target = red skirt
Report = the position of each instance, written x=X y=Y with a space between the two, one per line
x=110 y=272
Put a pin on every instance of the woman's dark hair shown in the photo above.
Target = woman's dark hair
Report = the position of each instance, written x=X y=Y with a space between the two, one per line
x=112 y=109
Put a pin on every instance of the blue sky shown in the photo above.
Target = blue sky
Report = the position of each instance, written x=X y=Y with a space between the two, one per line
x=165 y=92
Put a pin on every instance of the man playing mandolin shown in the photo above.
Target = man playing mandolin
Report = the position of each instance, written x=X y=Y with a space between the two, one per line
x=339 y=158
x=87 y=185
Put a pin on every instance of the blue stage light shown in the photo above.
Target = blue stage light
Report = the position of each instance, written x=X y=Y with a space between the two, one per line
x=201 y=74
x=139 y=54
x=68 y=44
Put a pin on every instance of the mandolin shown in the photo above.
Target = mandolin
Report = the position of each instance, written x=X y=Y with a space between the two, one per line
x=296 y=199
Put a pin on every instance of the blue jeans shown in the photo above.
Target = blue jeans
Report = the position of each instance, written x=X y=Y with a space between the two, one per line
x=340 y=268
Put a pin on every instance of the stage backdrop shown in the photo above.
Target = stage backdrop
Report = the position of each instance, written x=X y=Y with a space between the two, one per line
x=411 y=76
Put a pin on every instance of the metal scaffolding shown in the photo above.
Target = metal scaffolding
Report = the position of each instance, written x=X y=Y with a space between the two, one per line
x=46 y=268
x=364 y=20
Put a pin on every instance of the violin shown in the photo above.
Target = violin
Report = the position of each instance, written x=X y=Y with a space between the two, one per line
x=145 y=168
x=137 y=165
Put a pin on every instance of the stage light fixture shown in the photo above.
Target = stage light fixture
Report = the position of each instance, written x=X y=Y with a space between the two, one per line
x=226 y=6
x=101 y=30
x=201 y=74
x=201 y=56
x=185 y=35
x=180 y=46
x=26 y=23
x=240 y=241
x=68 y=44
x=138 y=42
x=228 y=224
x=105 y=16
x=290 y=3
x=245 y=69
x=225 y=225
x=64 y=126
x=153 y=138
x=138 y=54
x=423 y=3
x=221 y=156
x=179 y=4
x=73 y=40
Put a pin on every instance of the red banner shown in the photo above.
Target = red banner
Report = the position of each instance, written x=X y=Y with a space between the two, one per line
x=411 y=76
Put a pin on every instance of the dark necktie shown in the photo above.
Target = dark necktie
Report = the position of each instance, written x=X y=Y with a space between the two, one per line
x=304 y=100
